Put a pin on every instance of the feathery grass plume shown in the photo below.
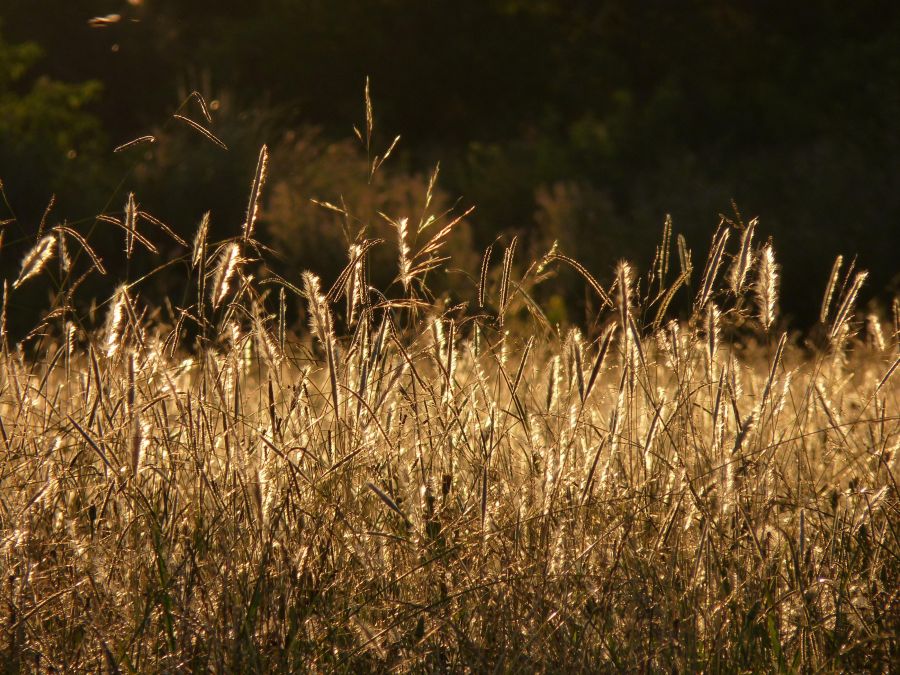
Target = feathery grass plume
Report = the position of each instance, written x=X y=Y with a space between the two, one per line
x=482 y=277
x=873 y=329
x=36 y=259
x=404 y=262
x=744 y=260
x=665 y=249
x=552 y=383
x=426 y=219
x=259 y=180
x=313 y=292
x=116 y=321
x=767 y=286
x=713 y=316
x=352 y=290
x=268 y=347
x=504 y=279
x=623 y=305
x=845 y=308
x=65 y=262
x=198 y=252
x=744 y=429
x=713 y=262
x=669 y=295
x=229 y=260
x=43 y=223
x=684 y=255
x=130 y=224
x=829 y=289
x=320 y=324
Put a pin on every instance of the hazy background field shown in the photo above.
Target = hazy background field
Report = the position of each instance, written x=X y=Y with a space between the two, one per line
x=558 y=120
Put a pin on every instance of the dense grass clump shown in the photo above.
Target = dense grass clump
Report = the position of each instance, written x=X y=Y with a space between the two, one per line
x=410 y=484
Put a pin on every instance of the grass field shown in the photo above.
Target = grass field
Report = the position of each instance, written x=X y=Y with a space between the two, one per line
x=388 y=481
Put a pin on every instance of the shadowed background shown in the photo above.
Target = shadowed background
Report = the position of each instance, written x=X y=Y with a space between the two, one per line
x=579 y=121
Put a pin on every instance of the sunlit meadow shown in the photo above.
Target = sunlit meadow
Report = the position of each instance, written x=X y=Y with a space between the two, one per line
x=305 y=474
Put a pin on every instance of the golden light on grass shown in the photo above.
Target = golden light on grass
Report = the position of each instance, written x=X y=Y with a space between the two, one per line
x=416 y=488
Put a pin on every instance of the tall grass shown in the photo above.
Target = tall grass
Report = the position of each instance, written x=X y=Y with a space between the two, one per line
x=408 y=485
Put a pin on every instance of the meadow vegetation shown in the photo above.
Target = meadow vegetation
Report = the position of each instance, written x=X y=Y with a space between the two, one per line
x=288 y=473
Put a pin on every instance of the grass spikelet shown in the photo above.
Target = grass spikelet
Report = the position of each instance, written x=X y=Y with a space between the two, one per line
x=153 y=220
x=482 y=277
x=313 y=292
x=713 y=262
x=829 y=289
x=403 y=262
x=582 y=270
x=744 y=260
x=140 y=140
x=206 y=133
x=259 y=180
x=321 y=326
x=504 y=279
x=95 y=259
x=36 y=259
x=669 y=295
x=684 y=255
x=665 y=250
x=65 y=262
x=43 y=223
x=198 y=252
x=115 y=322
x=873 y=329
x=229 y=259
x=767 y=286
x=409 y=486
x=130 y=224
x=204 y=109
x=845 y=308
x=713 y=316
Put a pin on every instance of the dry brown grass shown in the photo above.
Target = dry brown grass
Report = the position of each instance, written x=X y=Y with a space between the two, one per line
x=411 y=486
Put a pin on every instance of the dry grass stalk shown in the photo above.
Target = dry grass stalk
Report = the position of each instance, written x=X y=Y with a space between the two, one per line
x=212 y=499
x=35 y=260
x=767 y=286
